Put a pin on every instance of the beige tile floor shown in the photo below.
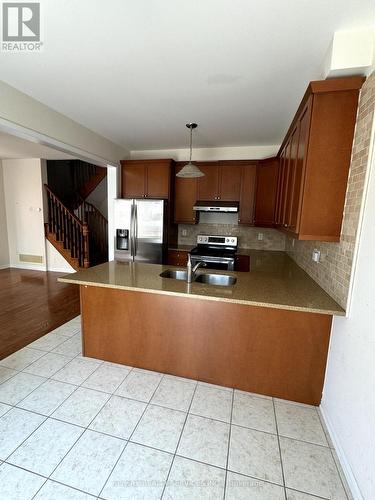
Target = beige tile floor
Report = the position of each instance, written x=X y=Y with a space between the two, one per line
x=75 y=428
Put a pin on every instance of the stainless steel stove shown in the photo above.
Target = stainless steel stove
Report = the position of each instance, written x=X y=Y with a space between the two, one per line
x=218 y=252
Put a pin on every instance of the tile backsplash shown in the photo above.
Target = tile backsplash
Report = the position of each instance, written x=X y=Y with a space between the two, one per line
x=247 y=236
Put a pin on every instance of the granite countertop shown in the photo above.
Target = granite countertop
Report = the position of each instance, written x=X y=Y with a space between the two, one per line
x=181 y=248
x=274 y=281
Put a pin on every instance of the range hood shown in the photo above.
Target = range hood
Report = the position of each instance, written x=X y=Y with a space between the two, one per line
x=216 y=206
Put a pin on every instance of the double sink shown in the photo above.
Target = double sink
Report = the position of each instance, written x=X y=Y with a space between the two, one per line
x=208 y=279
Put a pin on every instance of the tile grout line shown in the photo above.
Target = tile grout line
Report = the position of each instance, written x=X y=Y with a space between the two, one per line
x=128 y=440
x=168 y=453
x=151 y=447
x=278 y=442
x=111 y=394
x=69 y=423
x=178 y=442
x=228 y=448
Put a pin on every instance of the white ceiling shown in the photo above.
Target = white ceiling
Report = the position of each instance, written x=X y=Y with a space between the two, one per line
x=137 y=71
x=12 y=147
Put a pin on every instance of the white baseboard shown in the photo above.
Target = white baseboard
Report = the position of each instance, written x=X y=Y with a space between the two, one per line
x=4 y=266
x=31 y=267
x=347 y=470
x=60 y=270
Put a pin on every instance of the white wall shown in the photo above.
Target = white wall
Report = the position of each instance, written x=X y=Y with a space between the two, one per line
x=55 y=261
x=20 y=110
x=98 y=197
x=4 y=249
x=348 y=403
x=210 y=154
x=24 y=211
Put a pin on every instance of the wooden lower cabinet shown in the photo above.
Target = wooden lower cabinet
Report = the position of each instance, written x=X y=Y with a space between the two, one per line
x=242 y=263
x=177 y=258
x=268 y=351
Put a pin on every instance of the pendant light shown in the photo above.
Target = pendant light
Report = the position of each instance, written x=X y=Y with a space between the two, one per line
x=190 y=170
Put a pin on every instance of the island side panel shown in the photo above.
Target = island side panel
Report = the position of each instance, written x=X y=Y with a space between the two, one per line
x=269 y=351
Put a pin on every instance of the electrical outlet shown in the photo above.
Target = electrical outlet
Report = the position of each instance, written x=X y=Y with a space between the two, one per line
x=260 y=236
x=293 y=242
x=316 y=255
x=184 y=232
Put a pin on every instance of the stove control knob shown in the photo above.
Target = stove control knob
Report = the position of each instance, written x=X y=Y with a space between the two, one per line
x=232 y=240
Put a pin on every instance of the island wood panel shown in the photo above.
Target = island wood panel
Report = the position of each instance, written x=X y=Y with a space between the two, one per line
x=264 y=350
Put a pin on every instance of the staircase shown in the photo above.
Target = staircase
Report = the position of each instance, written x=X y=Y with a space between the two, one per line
x=85 y=178
x=80 y=237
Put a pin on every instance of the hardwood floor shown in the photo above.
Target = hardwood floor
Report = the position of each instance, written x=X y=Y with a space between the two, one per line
x=32 y=303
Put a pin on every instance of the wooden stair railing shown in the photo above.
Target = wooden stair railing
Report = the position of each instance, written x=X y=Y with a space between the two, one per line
x=98 y=224
x=86 y=177
x=68 y=229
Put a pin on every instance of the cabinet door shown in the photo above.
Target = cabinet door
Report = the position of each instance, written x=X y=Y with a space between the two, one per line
x=133 y=181
x=265 y=198
x=304 y=125
x=280 y=183
x=242 y=263
x=284 y=186
x=158 y=178
x=208 y=185
x=177 y=258
x=185 y=198
x=230 y=182
x=247 y=196
x=291 y=175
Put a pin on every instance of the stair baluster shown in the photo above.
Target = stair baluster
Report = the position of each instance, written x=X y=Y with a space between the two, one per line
x=64 y=228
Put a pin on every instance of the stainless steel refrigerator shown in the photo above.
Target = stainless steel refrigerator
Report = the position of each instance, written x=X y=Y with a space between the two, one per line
x=140 y=230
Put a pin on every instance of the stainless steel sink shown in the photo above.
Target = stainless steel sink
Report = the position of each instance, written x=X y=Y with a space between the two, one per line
x=216 y=279
x=177 y=275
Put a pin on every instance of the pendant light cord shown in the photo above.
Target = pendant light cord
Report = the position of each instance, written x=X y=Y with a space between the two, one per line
x=191 y=143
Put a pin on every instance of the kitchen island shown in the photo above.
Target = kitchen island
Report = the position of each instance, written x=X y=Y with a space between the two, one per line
x=268 y=333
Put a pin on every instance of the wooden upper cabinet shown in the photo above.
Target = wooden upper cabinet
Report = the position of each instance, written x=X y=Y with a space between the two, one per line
x=133 y=180
x=229 y=181
x=247 y=194
x=221 y=181
x=208 y=185
x=315 y=159
x=158 y=179
x=292 y=152
x=266 y=191
x=185 y=196
x=299 y=167
x=146 y=178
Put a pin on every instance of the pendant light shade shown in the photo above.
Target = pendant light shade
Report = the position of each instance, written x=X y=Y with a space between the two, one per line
x=190 y=170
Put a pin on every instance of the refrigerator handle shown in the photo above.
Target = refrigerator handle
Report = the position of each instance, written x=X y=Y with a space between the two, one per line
x=132 y=230
x=135 y=228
